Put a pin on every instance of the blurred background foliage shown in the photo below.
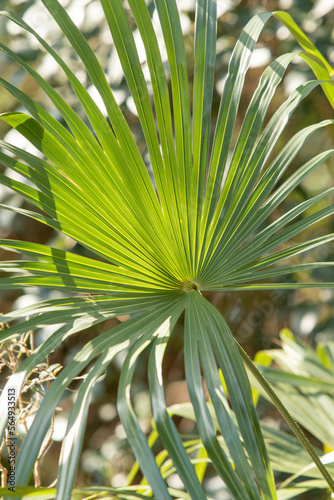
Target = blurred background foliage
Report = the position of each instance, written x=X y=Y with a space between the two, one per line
x=255 y=318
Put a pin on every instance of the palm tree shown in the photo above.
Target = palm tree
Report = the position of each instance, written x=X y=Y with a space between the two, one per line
x=196 y=227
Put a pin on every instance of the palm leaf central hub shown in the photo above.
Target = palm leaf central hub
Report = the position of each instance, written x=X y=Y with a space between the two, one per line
x=189 y=286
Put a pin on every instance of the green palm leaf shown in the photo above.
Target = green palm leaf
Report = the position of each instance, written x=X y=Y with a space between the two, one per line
x=197 y=226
